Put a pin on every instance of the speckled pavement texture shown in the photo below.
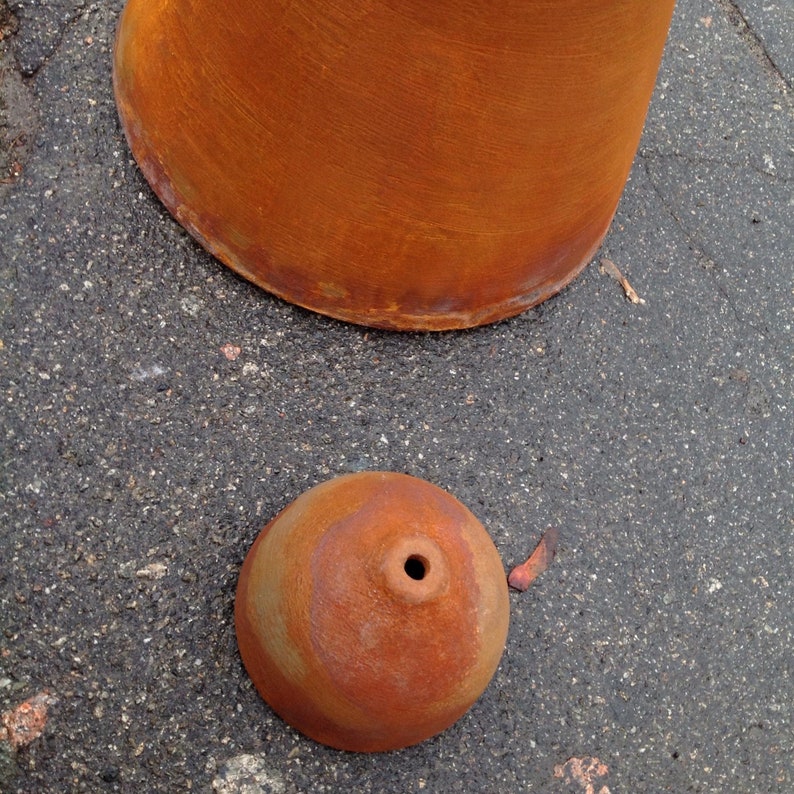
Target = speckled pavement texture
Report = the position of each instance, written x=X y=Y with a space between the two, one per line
x=157 y=411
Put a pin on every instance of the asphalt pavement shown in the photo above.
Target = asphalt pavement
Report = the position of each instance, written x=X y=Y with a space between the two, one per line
x=157 y=411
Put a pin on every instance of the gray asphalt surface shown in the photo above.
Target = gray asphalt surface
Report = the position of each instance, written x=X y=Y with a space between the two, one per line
x=141 y=454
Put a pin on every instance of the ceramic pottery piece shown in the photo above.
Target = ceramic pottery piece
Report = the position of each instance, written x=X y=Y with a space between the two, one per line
x=403 y=163
x=372 y=612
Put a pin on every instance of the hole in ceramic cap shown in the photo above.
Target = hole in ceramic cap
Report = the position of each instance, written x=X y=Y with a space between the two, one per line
x=416 y=567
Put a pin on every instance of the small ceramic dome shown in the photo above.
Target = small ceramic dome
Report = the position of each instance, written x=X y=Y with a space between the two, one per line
x=372 y=612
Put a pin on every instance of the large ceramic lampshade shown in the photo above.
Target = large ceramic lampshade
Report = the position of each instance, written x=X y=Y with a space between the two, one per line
x=401 y=163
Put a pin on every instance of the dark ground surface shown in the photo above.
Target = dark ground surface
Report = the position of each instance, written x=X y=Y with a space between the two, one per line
x=139 y=462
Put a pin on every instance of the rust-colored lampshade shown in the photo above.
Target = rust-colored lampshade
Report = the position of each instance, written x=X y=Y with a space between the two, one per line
x=372 y=612
x=409 y=164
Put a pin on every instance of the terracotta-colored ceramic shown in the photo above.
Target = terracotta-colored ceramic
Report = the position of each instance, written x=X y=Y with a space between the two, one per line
x=372 y=612
x=402 y=163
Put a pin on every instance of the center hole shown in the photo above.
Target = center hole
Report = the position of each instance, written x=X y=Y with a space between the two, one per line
x=416 y=567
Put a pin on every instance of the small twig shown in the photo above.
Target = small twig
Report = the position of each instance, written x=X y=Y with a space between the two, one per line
x=611 y=269
x=522 y=576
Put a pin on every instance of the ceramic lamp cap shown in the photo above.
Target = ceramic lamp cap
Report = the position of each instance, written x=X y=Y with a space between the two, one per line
x=372 y=612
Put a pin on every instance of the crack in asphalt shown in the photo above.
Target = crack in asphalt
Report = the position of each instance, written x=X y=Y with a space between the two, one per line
x=699 y=247
x=756 y=43
x=8 y=22
x=647 y=158
x=32 y=34
x=651 y=155
x=17 y=116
